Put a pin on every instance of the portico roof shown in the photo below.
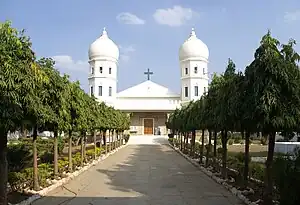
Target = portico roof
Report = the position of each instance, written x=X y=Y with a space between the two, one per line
x=147 y=89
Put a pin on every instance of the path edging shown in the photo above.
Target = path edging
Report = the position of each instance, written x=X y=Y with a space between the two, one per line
x=220 y=181
x=65 y=180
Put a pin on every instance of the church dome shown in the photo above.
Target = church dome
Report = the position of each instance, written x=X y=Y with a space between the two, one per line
x=104 y=47
x=193 y=48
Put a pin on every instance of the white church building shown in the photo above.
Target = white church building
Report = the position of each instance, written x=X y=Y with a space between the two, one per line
x=148 y=103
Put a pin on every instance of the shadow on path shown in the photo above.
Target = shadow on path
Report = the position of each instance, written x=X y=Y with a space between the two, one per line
x=142 y=174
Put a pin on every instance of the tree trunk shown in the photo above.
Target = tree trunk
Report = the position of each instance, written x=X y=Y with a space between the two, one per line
x=247 y=157
x=104 y=135
x=181 y=145
x=243 y=135
x=202 y=147
x=121 y=138
x=120 y=135
x=36 y=186
x=84 y=147
x=55 y=153
x=114 y=139
x=184 y=142
x=267 y=196
x=95 y=144
x=23 y=131
x=118 y=140
x=192 y=153
x=82 y=144
x=224 y=154
x=78 y=141
x=70 y=151
x=208 y=149
x=187 y=142
x=215 y=148
x=110 y=140
x=100 y=144
x=3 y=168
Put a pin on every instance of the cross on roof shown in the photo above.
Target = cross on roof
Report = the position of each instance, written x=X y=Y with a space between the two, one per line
x=148 y=73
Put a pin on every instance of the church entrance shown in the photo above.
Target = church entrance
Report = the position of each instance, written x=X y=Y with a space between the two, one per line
x=148 y=126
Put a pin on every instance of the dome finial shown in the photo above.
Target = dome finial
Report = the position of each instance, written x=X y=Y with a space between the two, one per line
x=104 y=32
x=193 y=33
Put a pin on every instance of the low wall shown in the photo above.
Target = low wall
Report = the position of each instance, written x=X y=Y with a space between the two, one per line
x=286 y=147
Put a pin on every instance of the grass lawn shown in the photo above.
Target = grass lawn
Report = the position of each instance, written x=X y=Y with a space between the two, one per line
x=255 y=150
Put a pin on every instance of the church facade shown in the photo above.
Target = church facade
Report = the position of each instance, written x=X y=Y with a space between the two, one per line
x=148 y=103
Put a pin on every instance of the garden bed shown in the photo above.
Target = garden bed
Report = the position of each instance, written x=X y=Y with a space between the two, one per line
x=250 y=195
x=20 y=183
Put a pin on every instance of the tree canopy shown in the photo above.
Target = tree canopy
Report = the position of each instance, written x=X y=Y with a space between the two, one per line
x=265 y=98
x=33 y=93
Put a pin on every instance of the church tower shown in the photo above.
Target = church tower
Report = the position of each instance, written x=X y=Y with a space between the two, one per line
x=103 y=60
x=193 y=60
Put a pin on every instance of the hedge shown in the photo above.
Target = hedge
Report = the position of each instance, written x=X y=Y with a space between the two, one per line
x=20 y=180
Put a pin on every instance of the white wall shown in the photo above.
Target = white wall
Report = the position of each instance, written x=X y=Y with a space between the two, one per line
x=136 y=121
x=152 y=104
x=104 y=79
x=192 y=78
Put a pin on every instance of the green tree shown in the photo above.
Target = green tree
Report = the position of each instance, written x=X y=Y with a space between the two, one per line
x=273 y=77
x=57 y=98
x=18 y=75
x=74 y=109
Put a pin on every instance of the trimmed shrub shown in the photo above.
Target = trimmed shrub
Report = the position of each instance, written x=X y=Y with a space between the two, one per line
x=237 y=139
x=171 y=141
x=263 y=141
x=19 y=157
x=287 y=178
x=20 y=180
x=19 y=154
x=171 y=135
x=126 y=137
x=257 y=170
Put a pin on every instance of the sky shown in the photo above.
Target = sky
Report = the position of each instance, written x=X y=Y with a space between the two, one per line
x=149 y=33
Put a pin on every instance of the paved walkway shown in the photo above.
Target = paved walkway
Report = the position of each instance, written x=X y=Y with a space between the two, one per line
x=146 y=172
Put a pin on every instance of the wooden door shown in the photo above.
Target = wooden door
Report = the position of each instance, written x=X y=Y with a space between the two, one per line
x=148 y=126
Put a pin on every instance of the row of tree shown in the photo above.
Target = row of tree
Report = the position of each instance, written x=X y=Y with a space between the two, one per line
x=35 y=96
x=265 y=98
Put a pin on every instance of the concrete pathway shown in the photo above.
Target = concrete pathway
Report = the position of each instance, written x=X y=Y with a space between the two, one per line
x=146 y=172
x=148 y=140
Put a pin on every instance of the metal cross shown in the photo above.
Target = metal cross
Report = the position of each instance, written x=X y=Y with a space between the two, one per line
x=148 y=73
